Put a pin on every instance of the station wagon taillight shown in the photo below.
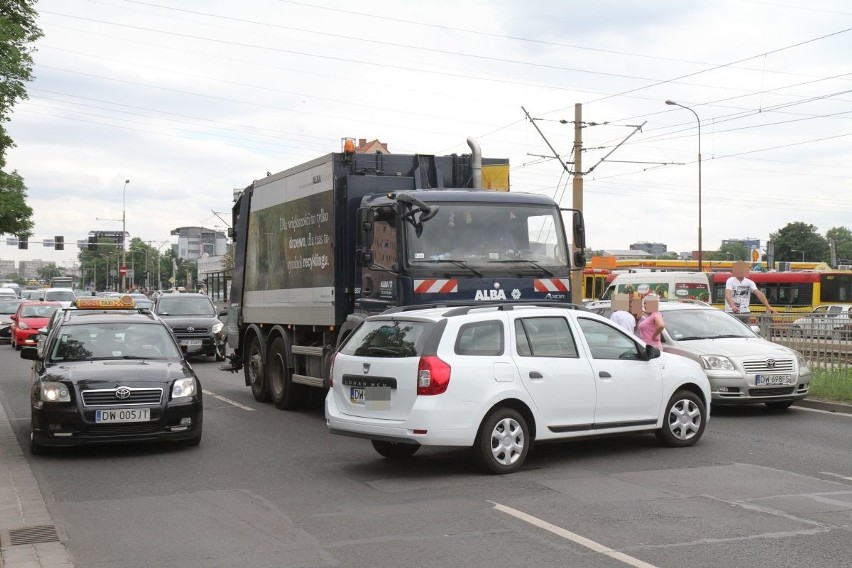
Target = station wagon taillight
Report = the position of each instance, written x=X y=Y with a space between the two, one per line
x=433 y=376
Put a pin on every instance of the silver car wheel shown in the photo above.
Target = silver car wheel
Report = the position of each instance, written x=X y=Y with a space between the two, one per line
x=684 y=419
x=507 y=441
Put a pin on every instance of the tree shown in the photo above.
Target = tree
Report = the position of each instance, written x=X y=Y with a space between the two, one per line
x=49 y=271
x=18 y=31
x=804 y=239
x=842 y=238
x=734 y=251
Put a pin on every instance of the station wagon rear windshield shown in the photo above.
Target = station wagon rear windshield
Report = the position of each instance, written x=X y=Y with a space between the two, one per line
x=387 y=339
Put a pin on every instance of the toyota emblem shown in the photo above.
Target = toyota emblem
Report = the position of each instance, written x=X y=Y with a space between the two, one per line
x=122 y=393
x=366 y=368
x=770 y=363
x=190 y=329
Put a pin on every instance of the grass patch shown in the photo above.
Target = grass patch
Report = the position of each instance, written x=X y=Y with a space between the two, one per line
x=835 y=384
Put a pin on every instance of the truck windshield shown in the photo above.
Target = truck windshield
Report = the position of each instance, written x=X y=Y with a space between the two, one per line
x=485 y=236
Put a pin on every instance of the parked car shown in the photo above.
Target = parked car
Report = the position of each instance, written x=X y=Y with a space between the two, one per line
x=30 y=317
x=499 y=378
x=831 y=321
x=743 y=368
x=109 y=373
x=8 y=307
x=196 y=324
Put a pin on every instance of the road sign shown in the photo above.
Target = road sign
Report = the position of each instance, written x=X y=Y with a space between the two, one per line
x=123 y=271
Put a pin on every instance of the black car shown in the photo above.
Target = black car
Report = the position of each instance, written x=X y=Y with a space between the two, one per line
x=194 y=320
x=107 y=374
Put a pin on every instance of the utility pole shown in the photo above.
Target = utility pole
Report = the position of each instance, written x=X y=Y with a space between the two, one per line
x=577 y=202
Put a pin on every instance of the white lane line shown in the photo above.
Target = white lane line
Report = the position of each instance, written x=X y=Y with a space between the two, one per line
x=573 y=537
x=228 y=400
x=820 y=411
x=836 y=475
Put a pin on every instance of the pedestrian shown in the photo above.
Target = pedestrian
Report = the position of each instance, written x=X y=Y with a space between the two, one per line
x=738 y=291
x=621 y=312
x=652 y=325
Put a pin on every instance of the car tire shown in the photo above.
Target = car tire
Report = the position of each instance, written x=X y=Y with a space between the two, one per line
x=255 y=371
x=779 y=404
x=394 y=450
x=502 y=442
x=285 y=394
x=684 y=420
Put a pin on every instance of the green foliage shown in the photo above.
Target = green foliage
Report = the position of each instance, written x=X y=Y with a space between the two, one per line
x=734 y=251
x=799 y=236
x=834 y=385
x=18 y=31
x=49 y=271
x=843 y=243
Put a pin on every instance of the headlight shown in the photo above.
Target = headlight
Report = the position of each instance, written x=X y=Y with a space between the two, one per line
x=184 y=387
x=803 y=363
x=717 y=363
x=55 y=392
x=23 y=325
x=218 y=327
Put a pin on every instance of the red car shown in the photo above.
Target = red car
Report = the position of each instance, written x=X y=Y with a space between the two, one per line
x=30 y=317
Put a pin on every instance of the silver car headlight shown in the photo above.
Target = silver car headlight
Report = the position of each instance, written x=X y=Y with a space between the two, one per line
x=803 y=363
x=717 y=363
x=184 y=388
x=54 y=392
x=217 y=328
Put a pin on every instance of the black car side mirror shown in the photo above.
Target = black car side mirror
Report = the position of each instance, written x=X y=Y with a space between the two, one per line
x=30 y=353
x=651 y=352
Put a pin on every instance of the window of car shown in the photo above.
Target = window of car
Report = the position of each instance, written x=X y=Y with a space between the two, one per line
x=113 y=340
x=37 y=311
x=544 y=337
x=607 y=342
x=384 y=338
x=185 y=306
x=59 y=296
x=480 y=338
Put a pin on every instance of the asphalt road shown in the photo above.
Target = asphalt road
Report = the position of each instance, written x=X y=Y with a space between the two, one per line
x=273 y=488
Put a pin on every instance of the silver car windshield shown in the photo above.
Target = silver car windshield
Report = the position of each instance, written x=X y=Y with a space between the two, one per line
x=684 y=325
x=186 y=306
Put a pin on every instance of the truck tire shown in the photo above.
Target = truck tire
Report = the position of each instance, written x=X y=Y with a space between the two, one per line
x=255 y=371
x=285 y=394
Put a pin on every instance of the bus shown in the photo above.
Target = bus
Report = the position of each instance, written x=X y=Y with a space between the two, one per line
x=792 y=291
x=655 y=264
x=62 y=282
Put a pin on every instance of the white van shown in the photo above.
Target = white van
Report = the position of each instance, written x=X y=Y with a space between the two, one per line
x=675 y=285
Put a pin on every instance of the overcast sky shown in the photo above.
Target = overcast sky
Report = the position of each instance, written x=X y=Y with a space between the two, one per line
x=191 y=99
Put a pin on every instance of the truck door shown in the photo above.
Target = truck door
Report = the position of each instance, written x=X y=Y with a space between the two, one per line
x=379 y=282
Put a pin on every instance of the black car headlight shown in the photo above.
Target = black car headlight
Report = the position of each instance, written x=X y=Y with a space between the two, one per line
x=54 y=392
x=184 y=388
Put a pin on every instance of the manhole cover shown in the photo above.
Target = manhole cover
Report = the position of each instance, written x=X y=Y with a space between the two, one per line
x=29 y=535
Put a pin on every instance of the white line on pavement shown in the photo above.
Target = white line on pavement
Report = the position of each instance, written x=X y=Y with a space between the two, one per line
x=573 y=537
x=228 y=400
x=836 y=475
x=824 y=411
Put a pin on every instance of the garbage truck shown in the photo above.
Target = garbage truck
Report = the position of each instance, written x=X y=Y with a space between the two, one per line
x=320 y=246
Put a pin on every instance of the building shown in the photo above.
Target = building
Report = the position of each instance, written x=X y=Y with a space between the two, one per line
x=365 y=147
x=750 y=243
x=656 y=249
x=31 y=268
x=7 y=268
x=193 y=242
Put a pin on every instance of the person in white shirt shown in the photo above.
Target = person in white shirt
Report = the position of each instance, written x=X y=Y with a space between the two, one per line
x=621 y=315
x=738 y=291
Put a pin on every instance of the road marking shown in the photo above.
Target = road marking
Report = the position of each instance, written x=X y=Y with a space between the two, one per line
x=836 y=475
x=573 y=537
x=824 y=411
x=228 y=400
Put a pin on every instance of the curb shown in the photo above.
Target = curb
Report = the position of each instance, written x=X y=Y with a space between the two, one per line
x=827 y=405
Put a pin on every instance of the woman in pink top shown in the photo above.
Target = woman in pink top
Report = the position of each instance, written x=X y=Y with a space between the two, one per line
x=652 y=325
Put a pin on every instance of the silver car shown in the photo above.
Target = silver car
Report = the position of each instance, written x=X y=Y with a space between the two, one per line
x=743 y=368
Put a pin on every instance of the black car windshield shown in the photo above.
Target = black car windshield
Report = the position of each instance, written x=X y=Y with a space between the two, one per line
x=684 y=325
x=88 y=342
x=186 y=306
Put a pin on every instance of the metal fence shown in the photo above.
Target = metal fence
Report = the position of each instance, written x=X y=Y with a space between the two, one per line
x=824 y=341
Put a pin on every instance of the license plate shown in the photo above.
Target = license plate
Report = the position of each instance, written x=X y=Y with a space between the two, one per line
x=124 y=415
x=190 y=342
x=760 y=380
x=356 y=395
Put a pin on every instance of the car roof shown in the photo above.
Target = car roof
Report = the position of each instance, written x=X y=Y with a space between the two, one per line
x=82 y=317
x=437 y=313
x=666 y=305
x=39 y=303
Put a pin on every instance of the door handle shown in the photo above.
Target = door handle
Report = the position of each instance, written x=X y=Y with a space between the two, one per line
x=604 y=375
x=536 y=375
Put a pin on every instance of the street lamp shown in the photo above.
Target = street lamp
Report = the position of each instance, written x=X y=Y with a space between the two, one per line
x=700 y=248
x=801 y=251
x=123 y=235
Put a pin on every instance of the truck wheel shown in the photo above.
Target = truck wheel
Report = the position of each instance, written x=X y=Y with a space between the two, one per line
x=255 y=372
x=286 y=395
x=503 y=441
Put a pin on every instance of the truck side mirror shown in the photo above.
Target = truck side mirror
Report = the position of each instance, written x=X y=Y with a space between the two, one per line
x=364 y=228
x=579 y=231
x=579 y=259
x=364 y=258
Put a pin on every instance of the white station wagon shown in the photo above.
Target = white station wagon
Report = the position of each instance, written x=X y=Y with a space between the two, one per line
x=499 y=378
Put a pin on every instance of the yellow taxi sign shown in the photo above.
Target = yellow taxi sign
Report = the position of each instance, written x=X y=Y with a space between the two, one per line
x=124 y=302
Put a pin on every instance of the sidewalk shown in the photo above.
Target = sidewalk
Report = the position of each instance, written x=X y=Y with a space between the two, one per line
x=827 y=405
x=28 y=537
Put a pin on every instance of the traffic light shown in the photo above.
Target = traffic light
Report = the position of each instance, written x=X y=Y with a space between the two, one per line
x=58 y=243
x=93 y=242
x=22 y=242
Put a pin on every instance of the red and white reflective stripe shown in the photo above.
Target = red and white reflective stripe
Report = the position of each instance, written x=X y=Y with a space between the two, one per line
x=552 y=285
x=436 y=286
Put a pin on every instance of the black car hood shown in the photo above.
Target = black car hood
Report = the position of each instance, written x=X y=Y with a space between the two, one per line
x=115 y=372
x=191 y=321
